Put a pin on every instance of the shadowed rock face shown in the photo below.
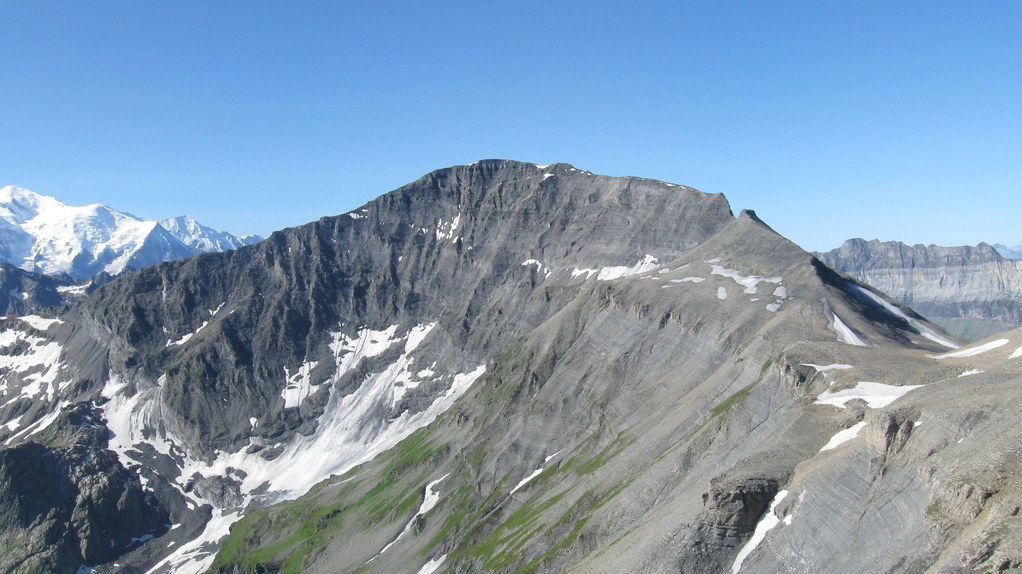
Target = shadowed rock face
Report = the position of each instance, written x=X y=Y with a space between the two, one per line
x=972 y=291
x=505 y=366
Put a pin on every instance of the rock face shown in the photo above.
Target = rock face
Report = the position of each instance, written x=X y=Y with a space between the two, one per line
x=971 y=291
x=25 y=293
x=505 y=367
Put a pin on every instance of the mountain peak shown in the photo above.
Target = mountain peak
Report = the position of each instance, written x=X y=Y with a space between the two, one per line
x=42 y=234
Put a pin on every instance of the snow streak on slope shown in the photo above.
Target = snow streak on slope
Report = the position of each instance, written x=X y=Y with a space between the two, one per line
x=841 y=437
x=973 y=351
x=647 y=263
x=767 y=523
x=350 y=431
x=845 y=334
x=431 y=498
x=917 y=325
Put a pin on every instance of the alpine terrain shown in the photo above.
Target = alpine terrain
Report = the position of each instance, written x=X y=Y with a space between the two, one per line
x=506 y=367
x=972 y=292
x=42 y=235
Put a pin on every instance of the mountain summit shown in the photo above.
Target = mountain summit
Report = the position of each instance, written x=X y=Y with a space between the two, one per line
x=506 y=367
x=40 y=234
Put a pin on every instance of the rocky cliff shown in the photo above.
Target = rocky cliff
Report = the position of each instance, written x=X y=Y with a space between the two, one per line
x=972 y=291
x=504 y=367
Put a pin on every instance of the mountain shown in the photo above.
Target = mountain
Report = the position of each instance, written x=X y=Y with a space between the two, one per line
x=204 y=239
x=971 y=291
x=506 y=367
x=1009 y=252
x=40 y=234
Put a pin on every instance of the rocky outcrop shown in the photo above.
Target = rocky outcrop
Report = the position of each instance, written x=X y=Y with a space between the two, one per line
x=68 y=501
x=972 y=291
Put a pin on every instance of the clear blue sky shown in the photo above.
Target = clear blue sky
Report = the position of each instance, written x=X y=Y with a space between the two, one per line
x=889 y=120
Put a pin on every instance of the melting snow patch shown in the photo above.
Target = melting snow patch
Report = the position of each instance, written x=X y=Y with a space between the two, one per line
x=299 y=386
x=446 y=230
x=843 y=436
x=38 y=322
x=431 y=498
x=432 y=566
x=647 y=263
x=1016 y=354
x=689 y=280
x=973 y=351
x=721 y=293
x=768 y=522
x=876 y=395
x=825 y=368
x=526 y=480
x=845 y=334
x=970 y=372
x=749 y=282
x=539 y=267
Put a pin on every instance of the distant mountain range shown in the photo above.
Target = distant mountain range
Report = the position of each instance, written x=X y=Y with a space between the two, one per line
x=972 y=292
x=40 y=234
x=1009 y=252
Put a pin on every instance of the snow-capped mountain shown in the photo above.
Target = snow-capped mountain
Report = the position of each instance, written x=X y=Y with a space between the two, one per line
x=41 y=234
x=204 y=239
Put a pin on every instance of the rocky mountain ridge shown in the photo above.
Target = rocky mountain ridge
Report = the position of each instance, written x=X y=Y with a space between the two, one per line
x=971 y=291
x=502 y=367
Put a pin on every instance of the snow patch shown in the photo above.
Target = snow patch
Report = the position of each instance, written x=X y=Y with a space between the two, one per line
x=973 y=351
x=765 y=524
x=37 y=366
x=432 y=566
x=185 y=338
x=40 y=323
x=526 y=480
x=430 y=499
x=844 y=436
x=647 y=263
x=845 y=333
x=539 y=267
x=1016 y=354
x=446 y=231
x=299 y=385
x=970 y=373
x=750 y=282
x=721 y=293
x=825 y=368
x=876 y=395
